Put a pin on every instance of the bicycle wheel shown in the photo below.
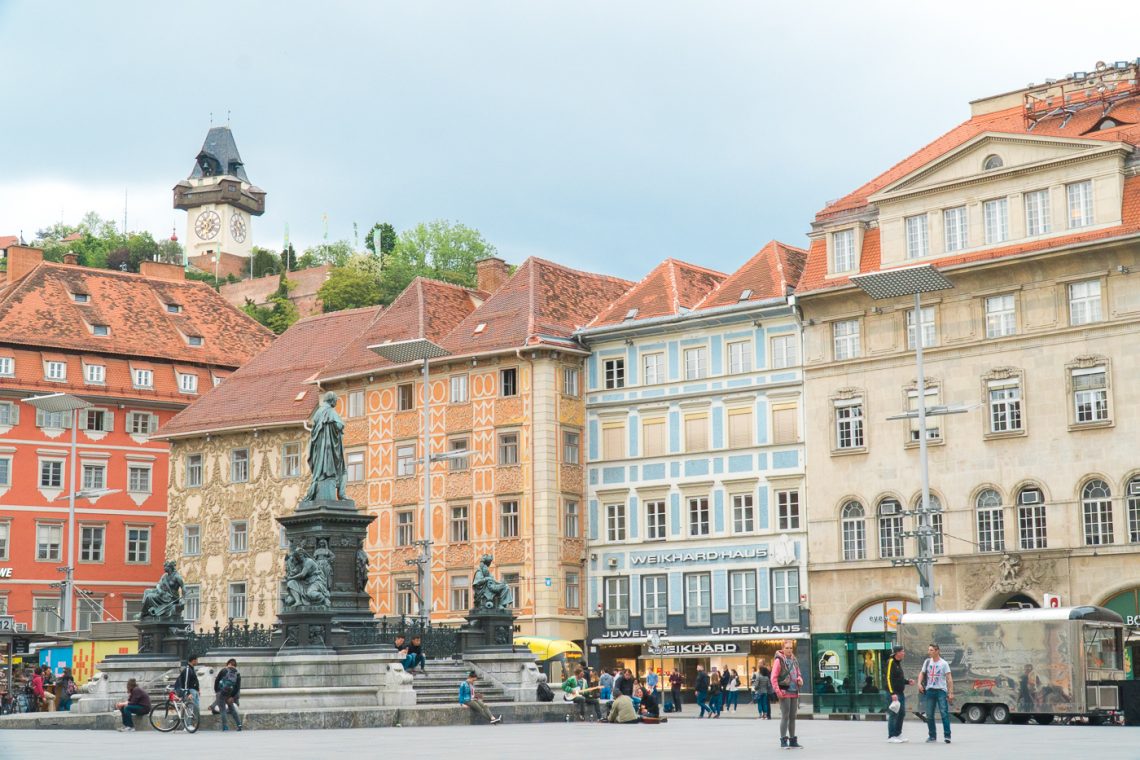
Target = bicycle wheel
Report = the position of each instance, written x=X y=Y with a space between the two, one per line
x=164 y=717
x=190 y=718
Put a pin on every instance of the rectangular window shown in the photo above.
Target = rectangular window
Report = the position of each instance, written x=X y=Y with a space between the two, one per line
x=239 y=465
x=788 y=510
x=405 y=600
x=739 y=428
x=7 y=366
x=95 y=374
x=45 y=614
x=460 y=587
x=405 y=528
x=5 y=535
x=1090 y=395
x=187 y=383
x=933 y=424
x=51 y=473
x=1080 y=204
x=991 y=525
x=654 y=600
x=138 y=545
x=843 y=251
x=570 y=384
x=138 y=479
x=458 y=389
x=193 y=470
x=573 y=584
x=132 y=609
x=1084 y=302
x=290 y=460
x=615 y=522
x=91 y=543
x=514 y=583
x=614 y=370
x=739 y=357
x=699 y=516
x=956 y=228
x=1001 y=319
x=786 y=596
x=53 y=420
x=996 y=213
x=570 y=447
x=140 y=423
x=743 y=513
x=191 y=540
x=613 y=441
x=696 y=363
x=617 y=602
x=49 y=538
x=405 y=397
x=143 y=378
x=8 y=413
x=785 y=423
x=457 y=464
x=655 y=520
x=1005 y=406
x=742 y=597
x=785 y=351
x=845 y=337
x=570 y=525
x=1037 y=213
x=1133 y=517
x=88 y=611
x=509 y=381
x=239 y=536
x=95 y=419
x=459 y=531
x=508 y=449
x=508 y=519
x=928 y=334
x=697 y=432
x=354 y=467
x=917 y=237
x=356 y=404
x=653 y=437
x=57 y=371
x=235 y=601
x=654 y=369
x=94 y=476
x=405 y=460
x=1031 y=526
x=191 y=603
x=698 y=599
x=5 y=471
x=849 y=425
x=1096 y=511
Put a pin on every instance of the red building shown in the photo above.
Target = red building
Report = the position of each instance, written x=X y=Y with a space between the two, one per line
x=136 y=347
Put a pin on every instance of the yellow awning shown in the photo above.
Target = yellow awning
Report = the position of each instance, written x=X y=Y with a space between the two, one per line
x=545 y=649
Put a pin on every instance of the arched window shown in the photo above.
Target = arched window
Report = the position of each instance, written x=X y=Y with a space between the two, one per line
x=991 y=522
x=1134 y=510
x=1031 y=518
x=854 y=531
x=993 y=161
x=935 y=521
x=1096 y=509
x=890 y=529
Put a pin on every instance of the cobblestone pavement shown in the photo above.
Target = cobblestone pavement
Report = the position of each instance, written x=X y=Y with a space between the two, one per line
x=849 y=740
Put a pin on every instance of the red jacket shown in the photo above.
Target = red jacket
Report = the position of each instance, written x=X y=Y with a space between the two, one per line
x=38 y=685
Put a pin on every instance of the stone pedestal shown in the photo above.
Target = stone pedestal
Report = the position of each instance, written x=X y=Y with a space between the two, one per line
x=163 y=637
x=487 y=630
x=110 y=687
x=516 y=673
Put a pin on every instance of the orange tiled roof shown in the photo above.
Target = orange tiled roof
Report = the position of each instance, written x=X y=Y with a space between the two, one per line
x=672 y=286
x=39 y=310
x=542 y=302
x=276 y=386
x=7 y=240
x=774 y=270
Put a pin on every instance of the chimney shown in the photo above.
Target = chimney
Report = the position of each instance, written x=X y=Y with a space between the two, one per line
x=491 y=273
x=161 y=271
x=22 y=259
x=71 y=259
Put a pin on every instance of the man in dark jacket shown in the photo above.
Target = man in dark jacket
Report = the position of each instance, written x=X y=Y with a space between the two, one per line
x=701 y=687
x=227 y=687
x=188 y=680
x=138 y=703
x=896 y=685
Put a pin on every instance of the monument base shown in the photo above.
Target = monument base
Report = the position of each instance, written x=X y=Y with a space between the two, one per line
x=516 y=673
x=487 y=630
x=163 y=637
x=109 y=687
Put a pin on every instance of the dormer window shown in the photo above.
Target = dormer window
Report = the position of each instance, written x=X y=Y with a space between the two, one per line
x=80 y=297
x=56 y=371
x=95 y=373
x=993 y=161
x=100 y=330
x=842 y=251
x=194 y=340
x=187 y=383
x=174 y=308
x=143 y=378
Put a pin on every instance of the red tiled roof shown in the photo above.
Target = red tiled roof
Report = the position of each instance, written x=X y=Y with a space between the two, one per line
x=38 y=310
x=769 y=274
x=543 y=302
x=671 y=287
x=425 y=309
x=276 y=386
x=7 y=240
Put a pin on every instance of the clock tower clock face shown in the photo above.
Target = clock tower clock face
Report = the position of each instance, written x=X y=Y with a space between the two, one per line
x=237 y=228
x=207 y=224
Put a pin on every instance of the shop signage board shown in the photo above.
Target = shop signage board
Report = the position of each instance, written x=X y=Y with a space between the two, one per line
x=882 y=617
x=700 y=648
x=686 y=556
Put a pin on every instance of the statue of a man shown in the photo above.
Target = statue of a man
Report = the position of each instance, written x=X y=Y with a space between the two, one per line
x=163 y=602
x=326 y=452
x=490 y=593
x=304 y=581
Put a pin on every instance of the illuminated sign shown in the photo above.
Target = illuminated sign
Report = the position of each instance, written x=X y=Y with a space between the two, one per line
x=698 y=555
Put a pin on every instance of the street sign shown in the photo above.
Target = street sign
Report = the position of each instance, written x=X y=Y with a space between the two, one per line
x=549 y=582
x=20 y=645
x=7 y=624
x=1052 y=600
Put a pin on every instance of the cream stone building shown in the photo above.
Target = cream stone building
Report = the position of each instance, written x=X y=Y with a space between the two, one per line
x=1034 y=216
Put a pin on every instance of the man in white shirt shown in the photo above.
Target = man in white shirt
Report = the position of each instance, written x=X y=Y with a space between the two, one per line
x=936 y=684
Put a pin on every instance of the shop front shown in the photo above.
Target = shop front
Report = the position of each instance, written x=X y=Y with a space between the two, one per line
x=1127 y=605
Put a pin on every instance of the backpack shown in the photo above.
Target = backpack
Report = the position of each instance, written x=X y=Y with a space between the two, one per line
x=72 y=688
x=545 y=693
x=228 y=683
x=785 y=679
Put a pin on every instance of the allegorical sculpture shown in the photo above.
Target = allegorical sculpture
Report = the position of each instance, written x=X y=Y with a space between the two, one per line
x=305 y=584
x=324 y=557
x=490 y=593
x=326 y=452
x=361 y=568
x=164 y=601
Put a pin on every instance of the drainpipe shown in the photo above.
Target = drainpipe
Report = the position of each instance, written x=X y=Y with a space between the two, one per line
x=533 y=508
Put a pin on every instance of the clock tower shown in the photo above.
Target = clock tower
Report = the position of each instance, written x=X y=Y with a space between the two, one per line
x=220 y=203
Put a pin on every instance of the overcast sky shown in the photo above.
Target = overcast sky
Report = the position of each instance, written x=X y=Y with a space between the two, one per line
x=603 y=135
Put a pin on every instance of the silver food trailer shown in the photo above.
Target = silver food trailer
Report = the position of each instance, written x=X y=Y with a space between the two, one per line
x=1017 y=664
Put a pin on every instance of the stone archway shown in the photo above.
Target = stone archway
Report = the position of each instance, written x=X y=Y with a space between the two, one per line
x=1015 y=600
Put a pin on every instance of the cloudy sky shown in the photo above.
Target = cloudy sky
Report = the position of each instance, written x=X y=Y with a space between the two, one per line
x=604 y=135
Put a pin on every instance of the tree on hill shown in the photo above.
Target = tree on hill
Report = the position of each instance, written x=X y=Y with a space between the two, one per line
x=439 y=249
x=350 y=287
x=279 y=313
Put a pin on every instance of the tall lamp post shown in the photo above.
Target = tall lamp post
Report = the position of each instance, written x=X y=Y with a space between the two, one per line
x=65 y=403
x=406 y=352
x=914 y=281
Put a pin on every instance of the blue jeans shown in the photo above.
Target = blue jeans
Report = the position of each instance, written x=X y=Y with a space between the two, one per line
x=717 y=703
x=763 y=706
x=413 y=660
x=937 y=698
x=895 y=720
x=732 y=699
x=703 y=703
x=129 y=712
x=606 y=691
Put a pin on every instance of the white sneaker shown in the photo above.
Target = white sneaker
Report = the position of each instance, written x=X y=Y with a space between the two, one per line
x=894 y=740
x=497 y=719
x=902 y=740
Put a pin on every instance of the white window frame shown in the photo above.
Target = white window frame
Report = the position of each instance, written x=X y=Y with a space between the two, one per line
x=653 y=368
x=700 y=516
x=853 y=522
x=571 y=520
x=786 y=595
x=457 y=389
x=956 y=229
x=929 y=332
x=571 y=381
x=137 y=482
x=459 y=588
x=917 y=236
x=237 y=606
x=571 y=447
x=655 y=520
x=92 y=543
x=53 y=470
x=739 y=357
x=458 y=464
x=742 y=597
x=459 y=524
x=613 y=373
x=142 y=378
x=698 y=599
x=1001 y=315
x=508 y=449
x=1096 y=513
x=989 y=521
x=406 y=459
x=191 y=540
x=7 y=366
x=1032 y=526
x=239 y=535
x=572 y=586
x=195 y=465
x=845 y=337
x=616 y=589
x=1085 y=304
x=94 y=476
x=1003 y=398
x=55 y=371
x=1080 y=198
x=187 y=382
x=354 y=467
x=842 y=251
x=405 y=397
x=1090 y=397
x=995 y=212
x=850 y=434
x=405 y=527
x=140 y=423
x=1037 y=213
x=509 y=382
x=239 y=465
x=510 y=519
x=785 y=351
x=49 y=541
x=788 y=512
x=743 y=513
x=617 y=528
x=655 y=600
x=890 y=519
x=355 y=406
x=291 y=459
x=696 y=360
x=192 y=602
x=95 y=374
x=138 y=544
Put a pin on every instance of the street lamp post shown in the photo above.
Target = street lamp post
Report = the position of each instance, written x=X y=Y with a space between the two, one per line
x=914 y=281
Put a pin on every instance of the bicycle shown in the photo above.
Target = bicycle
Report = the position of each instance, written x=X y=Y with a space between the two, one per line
x=175 y=711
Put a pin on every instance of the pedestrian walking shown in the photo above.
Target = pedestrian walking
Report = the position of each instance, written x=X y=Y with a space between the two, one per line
x=473 y=700
x=761 y=691
x=788 y=681
x=66 y=688
x=716 y=693
x=675 y=681
x=896 y=686
x=606 y=681
x=701 y=687
x=937 y=686
x=187 y=682
x=137 y=703
x=227 y=691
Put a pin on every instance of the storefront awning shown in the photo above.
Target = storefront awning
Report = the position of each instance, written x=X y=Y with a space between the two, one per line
x=544 y=649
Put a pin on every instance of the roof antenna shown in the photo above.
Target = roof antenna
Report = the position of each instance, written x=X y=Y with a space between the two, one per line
x=211 y=118
x=227 y=118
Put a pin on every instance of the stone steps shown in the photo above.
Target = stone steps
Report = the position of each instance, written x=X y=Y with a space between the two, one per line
x=440 y=685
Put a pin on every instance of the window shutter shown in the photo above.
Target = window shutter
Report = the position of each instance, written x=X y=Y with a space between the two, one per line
x=784 y=425
x=15 y=414
x=39 y=418
x=612 y=447
x=108 y=421
x=740 y=429
x=153 y=424
x=83 y=419
x=654 y=434
x=696 y=434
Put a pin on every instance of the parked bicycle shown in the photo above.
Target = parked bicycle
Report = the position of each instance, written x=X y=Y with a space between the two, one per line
x=176 y=711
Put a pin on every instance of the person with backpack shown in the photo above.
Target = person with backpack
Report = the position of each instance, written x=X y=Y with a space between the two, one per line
x=227 y=687
x=66 y=688
x=187 y=682
x=937 y=686
x=789 y=680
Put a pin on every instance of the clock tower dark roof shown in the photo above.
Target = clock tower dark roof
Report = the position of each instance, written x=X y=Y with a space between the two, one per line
x=219 y=156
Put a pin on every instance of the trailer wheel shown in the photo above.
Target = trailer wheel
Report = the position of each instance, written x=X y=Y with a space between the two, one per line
x=1044 y=719
x=974 y=713
x=1000 y=713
